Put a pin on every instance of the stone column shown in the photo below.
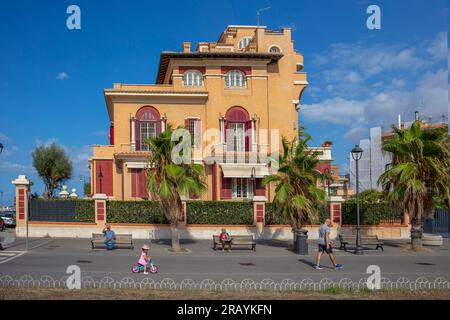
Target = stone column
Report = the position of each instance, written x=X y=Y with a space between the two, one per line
x=254 y=149
x=259 y=212
x=133 y=134
x=22 y=202
x=100 y=209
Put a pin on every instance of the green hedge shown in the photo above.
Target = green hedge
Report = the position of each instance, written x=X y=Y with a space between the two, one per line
x=274 y=218
x=85 y=210
x=145 y=212
x=370 y=213
x=219 y=212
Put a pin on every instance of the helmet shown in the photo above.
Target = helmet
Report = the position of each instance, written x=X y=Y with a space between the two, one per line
x=145 y=247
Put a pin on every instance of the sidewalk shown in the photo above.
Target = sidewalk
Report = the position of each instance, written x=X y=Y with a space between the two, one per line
x=272 y=260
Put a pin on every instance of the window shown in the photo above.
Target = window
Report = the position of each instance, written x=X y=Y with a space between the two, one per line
x=193 y=78
x=193 y=126
x=235 y=78
x=244 y=42
x=236 y=136
x=148 y=130
x=274 y=49
x=242 y=188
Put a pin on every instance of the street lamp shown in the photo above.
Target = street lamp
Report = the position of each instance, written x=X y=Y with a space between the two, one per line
x=253 y=179
x=356 y=155
x=100 y=177
x=327 y=181
x=1 y=147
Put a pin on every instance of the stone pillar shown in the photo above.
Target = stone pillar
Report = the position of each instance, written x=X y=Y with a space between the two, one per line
x=335 y=212
x=100 y=209
x=133 y=134
x=259 y=213
x=22 y=202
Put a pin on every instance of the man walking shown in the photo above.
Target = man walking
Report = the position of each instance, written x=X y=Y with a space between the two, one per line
x=326 y=245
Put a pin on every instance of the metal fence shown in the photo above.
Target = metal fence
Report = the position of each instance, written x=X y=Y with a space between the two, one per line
x=52 y=211
x=440 y=222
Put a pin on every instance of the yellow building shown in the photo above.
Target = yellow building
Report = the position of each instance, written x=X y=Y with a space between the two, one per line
x=237 y=96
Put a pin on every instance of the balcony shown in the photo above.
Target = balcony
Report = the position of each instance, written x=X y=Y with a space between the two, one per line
x=221 y=154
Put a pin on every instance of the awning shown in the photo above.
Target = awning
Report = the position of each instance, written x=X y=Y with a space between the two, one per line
x=238 y=170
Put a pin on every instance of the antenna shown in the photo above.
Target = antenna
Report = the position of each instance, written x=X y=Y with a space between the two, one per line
x=259 y=12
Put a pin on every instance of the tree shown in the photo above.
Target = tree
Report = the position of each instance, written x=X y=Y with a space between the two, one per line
x=369 y=196
x=87 y=189
x=167 y=181
x=297 y=196
x=53 y=166
x=419 y=173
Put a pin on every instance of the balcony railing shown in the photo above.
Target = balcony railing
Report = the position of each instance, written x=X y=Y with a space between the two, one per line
x=221 y=154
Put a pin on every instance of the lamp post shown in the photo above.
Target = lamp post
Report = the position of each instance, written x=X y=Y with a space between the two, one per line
x=253 y=179
x=327 y=182
x=100 y=177
x=356 y=155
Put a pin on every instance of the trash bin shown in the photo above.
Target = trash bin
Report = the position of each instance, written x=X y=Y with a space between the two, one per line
x=301 y=241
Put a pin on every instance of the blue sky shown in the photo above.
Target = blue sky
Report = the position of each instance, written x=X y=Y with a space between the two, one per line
x=51 y=78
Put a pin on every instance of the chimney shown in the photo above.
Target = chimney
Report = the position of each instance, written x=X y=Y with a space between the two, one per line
x=186 y=47
x=399 y=120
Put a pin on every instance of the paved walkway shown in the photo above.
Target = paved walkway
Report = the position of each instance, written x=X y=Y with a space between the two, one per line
x=272 y=260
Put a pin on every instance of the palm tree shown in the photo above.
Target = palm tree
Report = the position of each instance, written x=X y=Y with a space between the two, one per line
x=297 y=196
x=167 y=181
x=419 y=173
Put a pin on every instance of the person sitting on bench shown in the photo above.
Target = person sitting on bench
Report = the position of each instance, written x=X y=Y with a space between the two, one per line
x=225 y=238
x=110 y=237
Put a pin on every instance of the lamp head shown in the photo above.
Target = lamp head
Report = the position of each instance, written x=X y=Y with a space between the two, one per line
x=357 y=153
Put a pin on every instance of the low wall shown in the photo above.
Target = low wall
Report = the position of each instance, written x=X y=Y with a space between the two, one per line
x=382 y=231
x=201 y=232
x=145 y=231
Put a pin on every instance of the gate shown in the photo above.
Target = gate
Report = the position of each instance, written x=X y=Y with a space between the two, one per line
x=440 y=222
x=52 y=211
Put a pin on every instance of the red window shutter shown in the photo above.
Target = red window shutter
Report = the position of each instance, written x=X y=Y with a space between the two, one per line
x=226 y=192
x=106 y=167
x=143 y=193
x=111 y=135
x=138 y=134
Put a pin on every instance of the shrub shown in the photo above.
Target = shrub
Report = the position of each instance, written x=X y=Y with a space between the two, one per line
x=219 y=212
x=370 y=213
x=274 y=218
x=85 y=211
x=144 y=212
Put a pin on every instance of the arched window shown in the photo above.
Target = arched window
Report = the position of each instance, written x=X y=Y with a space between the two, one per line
x=238 y=128
x=235 y=78
x=244 y=42
x=274 y=49
x=193 y=78
x=148 y=125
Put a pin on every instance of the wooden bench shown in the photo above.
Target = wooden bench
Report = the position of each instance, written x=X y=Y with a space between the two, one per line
x=237 y=241
x=365 y=240
x=122 y=241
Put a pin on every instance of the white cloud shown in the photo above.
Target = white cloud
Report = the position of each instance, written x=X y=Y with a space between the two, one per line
x=398 y=83
x=336 y=110
x=438 y=47
x=15 y=167
x=62 y=76
x=382 y=108
x=356 y=133
x=4 y=137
